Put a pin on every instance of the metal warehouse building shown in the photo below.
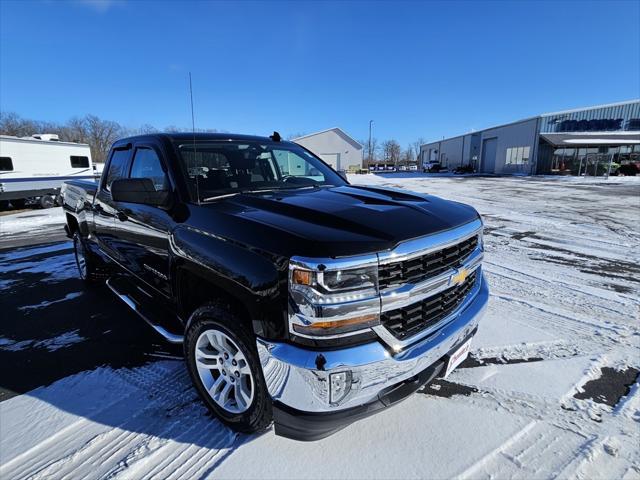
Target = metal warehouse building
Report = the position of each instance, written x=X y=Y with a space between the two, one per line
x=335 y=147
x=568 y=142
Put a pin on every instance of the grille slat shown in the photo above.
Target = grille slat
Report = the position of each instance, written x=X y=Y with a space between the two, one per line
x=425 y=266
x=408 y=321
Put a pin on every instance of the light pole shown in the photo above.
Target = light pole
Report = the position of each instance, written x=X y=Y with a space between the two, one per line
x=370 y=155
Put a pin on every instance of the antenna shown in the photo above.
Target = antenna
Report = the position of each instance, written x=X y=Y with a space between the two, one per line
x=193 y=129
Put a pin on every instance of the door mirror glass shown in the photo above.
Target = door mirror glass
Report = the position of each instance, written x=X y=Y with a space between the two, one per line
x=139 y=190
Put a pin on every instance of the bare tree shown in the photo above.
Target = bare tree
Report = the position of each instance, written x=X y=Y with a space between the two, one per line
x=374 y=150
x=416 y=148
x=391 y=151
x=12 y=124
x=176 y=129
x=146 y=128
x=98 y=133
x=101 y=134
x=293 y=136
x=407 y=155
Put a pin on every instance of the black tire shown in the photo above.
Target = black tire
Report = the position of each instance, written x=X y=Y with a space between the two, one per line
x=88 y=270
x=4 y=204
x=214 y=316
x=19 y=203
x=47 y=201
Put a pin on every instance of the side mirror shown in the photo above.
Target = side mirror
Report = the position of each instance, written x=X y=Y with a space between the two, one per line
x=343 y=175
x=138 y=190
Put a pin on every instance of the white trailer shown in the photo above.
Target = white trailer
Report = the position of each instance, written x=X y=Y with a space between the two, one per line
x=36 y=167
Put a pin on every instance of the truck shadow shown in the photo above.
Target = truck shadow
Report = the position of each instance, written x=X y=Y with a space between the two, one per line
x=79 y=354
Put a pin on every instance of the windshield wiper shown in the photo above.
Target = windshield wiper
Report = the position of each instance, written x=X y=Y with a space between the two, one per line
x=259 y=190
x=218 y=197
x=239 y=192
x=299 y=187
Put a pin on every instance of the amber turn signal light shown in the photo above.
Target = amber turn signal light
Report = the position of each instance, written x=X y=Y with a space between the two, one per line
x=338 y=326
x=302 y=277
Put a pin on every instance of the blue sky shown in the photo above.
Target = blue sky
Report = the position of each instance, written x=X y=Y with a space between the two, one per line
x=418 y=69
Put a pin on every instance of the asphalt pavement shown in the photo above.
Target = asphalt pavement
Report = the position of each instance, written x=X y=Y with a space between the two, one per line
x=53 y=326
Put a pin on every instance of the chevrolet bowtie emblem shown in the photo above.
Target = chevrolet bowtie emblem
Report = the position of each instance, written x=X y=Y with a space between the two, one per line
x=459 y=277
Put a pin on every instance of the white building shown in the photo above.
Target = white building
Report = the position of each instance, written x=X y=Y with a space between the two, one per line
x=335 y=147
x=578 y=142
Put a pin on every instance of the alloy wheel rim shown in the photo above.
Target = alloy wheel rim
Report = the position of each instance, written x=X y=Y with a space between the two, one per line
x=224 y=371
x=80 y=258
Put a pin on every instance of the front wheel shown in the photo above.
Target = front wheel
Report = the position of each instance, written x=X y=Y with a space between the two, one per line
x=223 y=362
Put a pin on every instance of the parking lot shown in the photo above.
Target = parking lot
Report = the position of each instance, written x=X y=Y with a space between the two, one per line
x=551 y=389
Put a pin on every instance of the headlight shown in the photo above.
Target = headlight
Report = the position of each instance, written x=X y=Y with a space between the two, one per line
x=335 y=286
x=349 y=280
x=330 y=301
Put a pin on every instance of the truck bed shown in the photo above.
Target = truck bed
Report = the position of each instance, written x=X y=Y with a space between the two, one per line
x=88 y=186
x=78 y=192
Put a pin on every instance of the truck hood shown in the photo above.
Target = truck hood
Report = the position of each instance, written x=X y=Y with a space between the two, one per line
x=330 y=222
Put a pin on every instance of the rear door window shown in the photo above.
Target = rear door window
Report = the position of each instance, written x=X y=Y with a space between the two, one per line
x=117 y=167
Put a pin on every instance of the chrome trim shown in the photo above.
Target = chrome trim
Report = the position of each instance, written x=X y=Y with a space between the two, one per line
x=330 y=264
x=293 y=376
x=369 y=305
x=335 y=312
x=390 y=298
x=423 y=245
x=169 y=337
x=397 y=344
x=403 y=295
x=155 y=272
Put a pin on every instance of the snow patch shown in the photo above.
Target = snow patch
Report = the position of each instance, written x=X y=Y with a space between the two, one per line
x=31 y=222
x=68 y=296
x=51 y=344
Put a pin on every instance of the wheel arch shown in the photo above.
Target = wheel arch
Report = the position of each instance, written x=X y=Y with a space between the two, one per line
x=206 y=267
x=195 y=287
x=72 y=224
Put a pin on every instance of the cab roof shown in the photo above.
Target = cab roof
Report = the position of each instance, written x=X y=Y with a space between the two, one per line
x=199 y=137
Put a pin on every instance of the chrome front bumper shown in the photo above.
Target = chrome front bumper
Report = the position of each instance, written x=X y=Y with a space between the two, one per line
x=299 y=378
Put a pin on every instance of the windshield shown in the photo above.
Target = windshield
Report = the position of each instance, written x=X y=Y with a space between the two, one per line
x=217 y=169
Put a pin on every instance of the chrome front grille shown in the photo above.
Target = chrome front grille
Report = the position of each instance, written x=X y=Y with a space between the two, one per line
x=417 y=269
x=412 y=319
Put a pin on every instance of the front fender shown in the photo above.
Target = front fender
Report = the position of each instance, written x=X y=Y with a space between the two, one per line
x=252 y=277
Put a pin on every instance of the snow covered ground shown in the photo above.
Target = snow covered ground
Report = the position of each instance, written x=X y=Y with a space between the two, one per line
x=32 y=227
x=544 y=395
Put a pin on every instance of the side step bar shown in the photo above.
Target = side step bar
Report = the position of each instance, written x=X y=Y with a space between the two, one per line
x=116 y=288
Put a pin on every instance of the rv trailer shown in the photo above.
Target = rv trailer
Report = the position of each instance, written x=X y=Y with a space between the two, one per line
x=35 y=168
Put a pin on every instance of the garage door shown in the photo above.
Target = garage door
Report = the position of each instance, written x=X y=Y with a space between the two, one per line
x=332 y=159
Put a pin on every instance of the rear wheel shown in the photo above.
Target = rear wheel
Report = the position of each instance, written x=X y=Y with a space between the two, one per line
x=47 y=201
x=223 y=362
x=85 y=260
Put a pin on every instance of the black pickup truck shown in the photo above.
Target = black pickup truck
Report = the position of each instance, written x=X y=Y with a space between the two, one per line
x=299 y=299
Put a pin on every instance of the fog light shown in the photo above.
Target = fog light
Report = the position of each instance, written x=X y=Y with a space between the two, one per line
x=339 y=386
